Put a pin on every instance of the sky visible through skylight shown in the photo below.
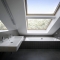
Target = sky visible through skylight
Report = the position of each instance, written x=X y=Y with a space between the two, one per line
x=41 y=6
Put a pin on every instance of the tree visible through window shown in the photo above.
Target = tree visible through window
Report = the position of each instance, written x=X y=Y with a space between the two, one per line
x=38 y=24
x=2 y=26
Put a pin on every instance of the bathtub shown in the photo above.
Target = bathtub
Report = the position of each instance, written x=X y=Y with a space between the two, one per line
x=41 y=39
x=40 y=43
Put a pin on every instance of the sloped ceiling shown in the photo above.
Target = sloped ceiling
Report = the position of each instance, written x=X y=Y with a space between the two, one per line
x=4 y=17
x=17 y=8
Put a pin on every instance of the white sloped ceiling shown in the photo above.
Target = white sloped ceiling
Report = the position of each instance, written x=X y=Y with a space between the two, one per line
x=18 y=11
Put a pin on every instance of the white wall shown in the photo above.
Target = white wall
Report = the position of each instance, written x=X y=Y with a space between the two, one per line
x=55 y=24
x=18 y=12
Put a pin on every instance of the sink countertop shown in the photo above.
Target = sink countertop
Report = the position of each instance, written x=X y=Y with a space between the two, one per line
x=11 y=44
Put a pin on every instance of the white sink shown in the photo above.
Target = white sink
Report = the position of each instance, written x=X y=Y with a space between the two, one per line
x=12 y=44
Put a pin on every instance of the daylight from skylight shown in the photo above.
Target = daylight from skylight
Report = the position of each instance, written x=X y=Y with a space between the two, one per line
x=2 y=26
x=42 y=6
x=38 y=24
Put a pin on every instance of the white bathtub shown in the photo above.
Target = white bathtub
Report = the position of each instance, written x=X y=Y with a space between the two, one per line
x=41 y=39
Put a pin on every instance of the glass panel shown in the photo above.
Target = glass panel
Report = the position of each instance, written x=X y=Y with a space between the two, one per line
x=38 y=24
x=41 y=6
x=2 y=26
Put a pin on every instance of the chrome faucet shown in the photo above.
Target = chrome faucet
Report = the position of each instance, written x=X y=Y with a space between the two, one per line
x=2 y=39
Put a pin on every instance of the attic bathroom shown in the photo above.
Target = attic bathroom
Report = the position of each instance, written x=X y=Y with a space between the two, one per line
x=29 y=29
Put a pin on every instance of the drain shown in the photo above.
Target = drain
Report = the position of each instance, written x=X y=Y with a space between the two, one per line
x=11 y=42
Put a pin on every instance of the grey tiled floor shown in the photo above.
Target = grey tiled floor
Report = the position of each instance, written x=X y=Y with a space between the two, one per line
x=33 y=54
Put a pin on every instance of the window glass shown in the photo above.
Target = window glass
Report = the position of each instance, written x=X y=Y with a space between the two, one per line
x=2 y=26
x=38 y=24
x=41 y=6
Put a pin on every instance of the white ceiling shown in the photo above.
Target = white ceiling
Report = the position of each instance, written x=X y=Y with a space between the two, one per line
x=17 y=8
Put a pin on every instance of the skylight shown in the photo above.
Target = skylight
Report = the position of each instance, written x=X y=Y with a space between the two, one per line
x=38 y=24
x=41 y=6
x=2 y=26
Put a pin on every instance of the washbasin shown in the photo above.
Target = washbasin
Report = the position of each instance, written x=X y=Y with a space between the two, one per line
x=11 y=44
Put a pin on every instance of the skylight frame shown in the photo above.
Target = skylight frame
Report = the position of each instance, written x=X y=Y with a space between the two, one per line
x=56 y=10
x=37 y=29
